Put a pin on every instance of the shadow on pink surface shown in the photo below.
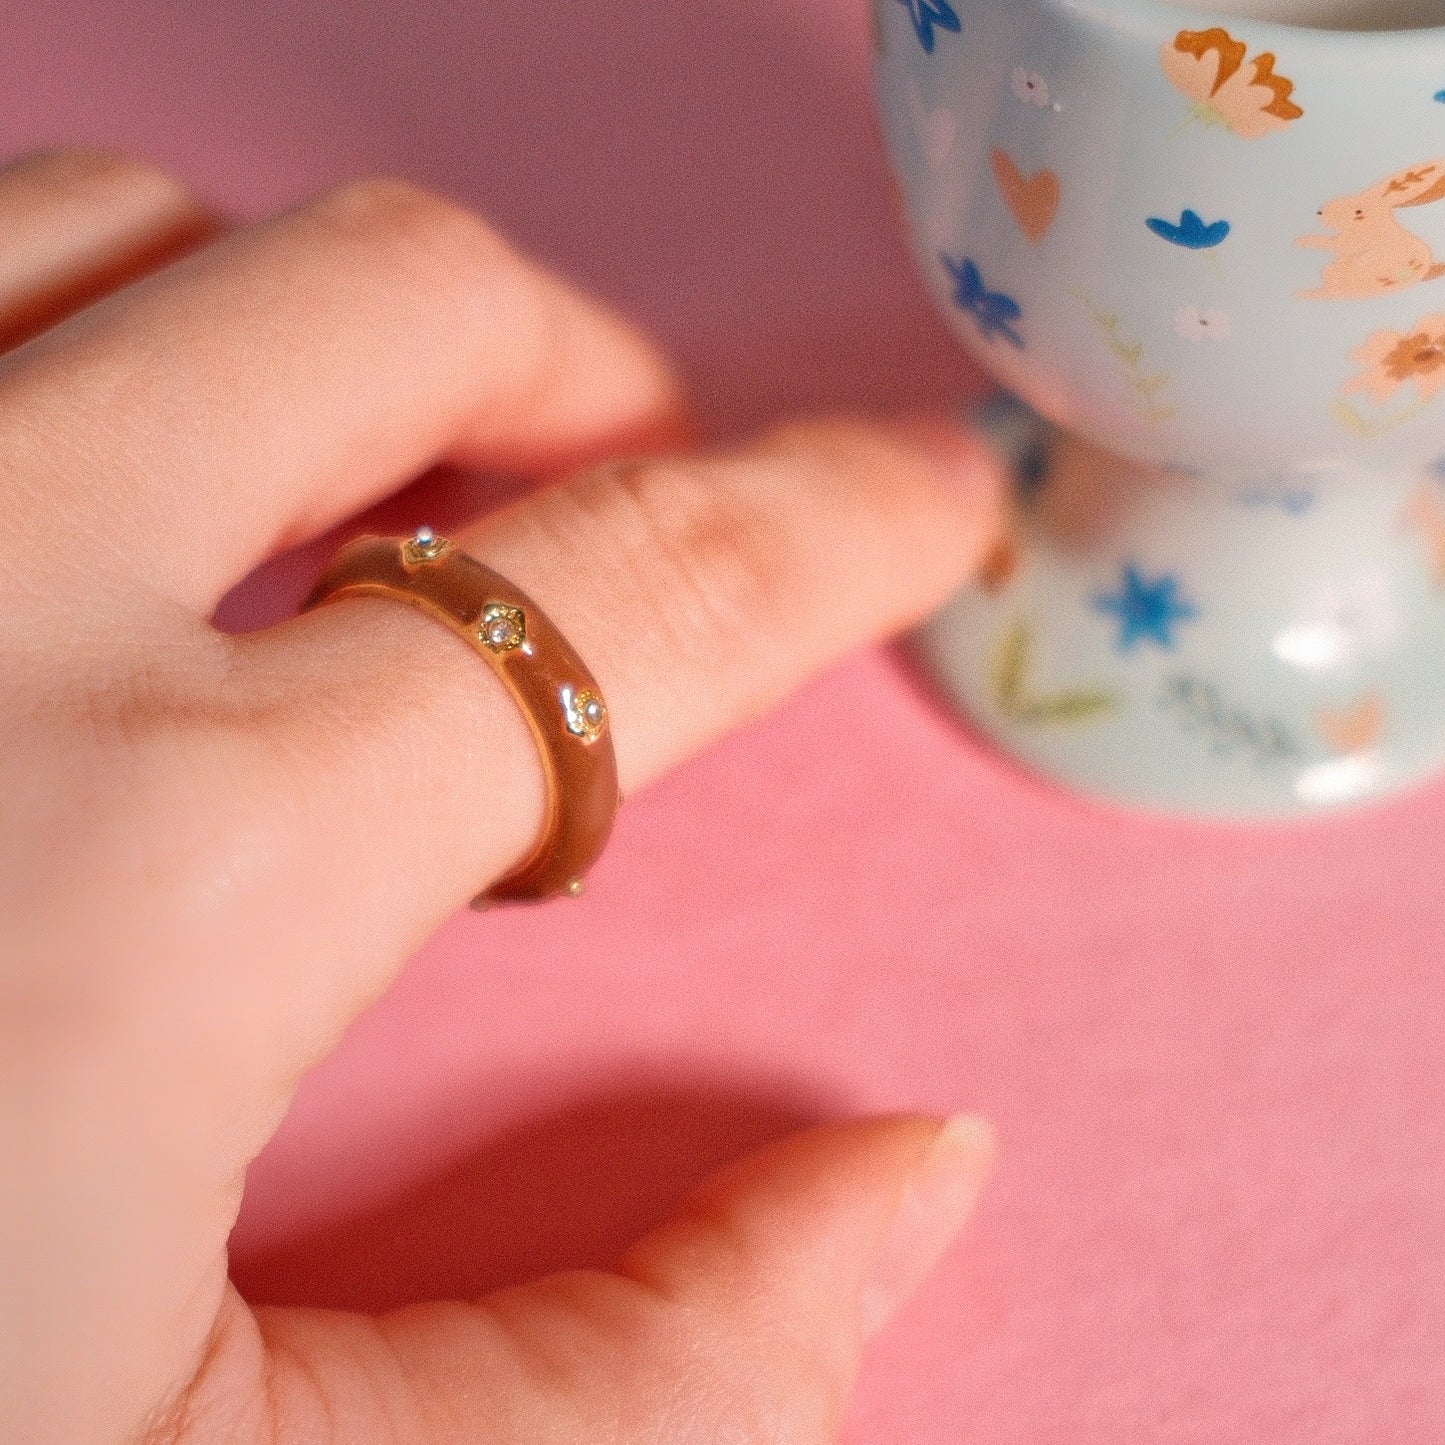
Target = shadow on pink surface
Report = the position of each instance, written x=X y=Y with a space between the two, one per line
x=569 y=1188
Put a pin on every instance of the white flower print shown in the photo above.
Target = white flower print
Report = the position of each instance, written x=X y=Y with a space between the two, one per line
x=1031 y=88
x=1195 y=324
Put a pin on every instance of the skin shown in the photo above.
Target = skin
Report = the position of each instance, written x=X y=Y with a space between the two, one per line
x=184 y=930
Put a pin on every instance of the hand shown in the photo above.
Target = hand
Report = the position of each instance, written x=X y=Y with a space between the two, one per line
x=217 y=851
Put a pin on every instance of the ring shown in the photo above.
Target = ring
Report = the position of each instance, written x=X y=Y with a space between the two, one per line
x=557 y=694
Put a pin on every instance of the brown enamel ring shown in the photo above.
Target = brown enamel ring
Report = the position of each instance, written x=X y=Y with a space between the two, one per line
x=557 y=694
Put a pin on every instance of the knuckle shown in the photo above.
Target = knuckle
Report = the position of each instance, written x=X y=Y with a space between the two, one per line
x=677 y=1327
x=894 y=476
x=398 y=215
x=832 y=436
x=834 y=449
x=701 y=558
x=442 y=260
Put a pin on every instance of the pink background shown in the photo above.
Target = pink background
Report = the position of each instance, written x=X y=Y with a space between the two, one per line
x=1214 y=1057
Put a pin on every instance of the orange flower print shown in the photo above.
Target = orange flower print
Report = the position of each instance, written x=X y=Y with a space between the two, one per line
x=1392 y=361
x=1245 y=96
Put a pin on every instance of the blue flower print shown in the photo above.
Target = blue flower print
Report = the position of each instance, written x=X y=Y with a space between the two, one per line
x=1191 y=232
x=1147 y=611
x=993 y=312
x=926 y=14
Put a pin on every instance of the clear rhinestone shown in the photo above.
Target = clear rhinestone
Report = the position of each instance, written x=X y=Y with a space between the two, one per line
x=503 y=628
x=424 y=547
x=586 y=714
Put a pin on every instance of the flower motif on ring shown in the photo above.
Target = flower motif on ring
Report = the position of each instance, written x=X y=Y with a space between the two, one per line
x=424 y=548
x=502 y=628
x=585 y=712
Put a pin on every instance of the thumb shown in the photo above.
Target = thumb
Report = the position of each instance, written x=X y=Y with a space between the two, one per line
x=742 y=1319
x=806 y=1250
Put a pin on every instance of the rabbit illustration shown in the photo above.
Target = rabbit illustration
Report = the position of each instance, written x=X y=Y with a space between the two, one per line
x=1374 y=254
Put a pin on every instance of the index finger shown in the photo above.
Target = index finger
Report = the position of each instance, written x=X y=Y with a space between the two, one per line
x=80 y=225
x=290 y=375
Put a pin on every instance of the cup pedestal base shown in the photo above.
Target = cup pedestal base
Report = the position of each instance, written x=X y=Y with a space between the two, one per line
x=1235 y=646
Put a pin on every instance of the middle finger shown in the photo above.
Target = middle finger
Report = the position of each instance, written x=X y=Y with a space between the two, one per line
x=290 y=375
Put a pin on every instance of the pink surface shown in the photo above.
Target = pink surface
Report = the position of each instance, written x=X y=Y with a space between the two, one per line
x=1214 y=1057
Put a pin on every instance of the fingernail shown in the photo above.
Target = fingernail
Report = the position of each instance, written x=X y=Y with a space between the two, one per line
x=937 y=1204
x=960 y=457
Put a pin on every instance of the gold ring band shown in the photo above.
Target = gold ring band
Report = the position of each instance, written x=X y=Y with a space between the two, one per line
x=557 y=694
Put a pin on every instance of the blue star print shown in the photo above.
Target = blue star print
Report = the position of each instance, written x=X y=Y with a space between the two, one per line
x=1146 y=610
x=926 y=14
x=994 y=312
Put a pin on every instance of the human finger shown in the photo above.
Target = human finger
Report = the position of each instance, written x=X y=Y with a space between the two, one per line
x=700 y=590
x=288 y=375
x=280 y=819
x=283 y=817
x=743 y=1318
x=81 y=224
